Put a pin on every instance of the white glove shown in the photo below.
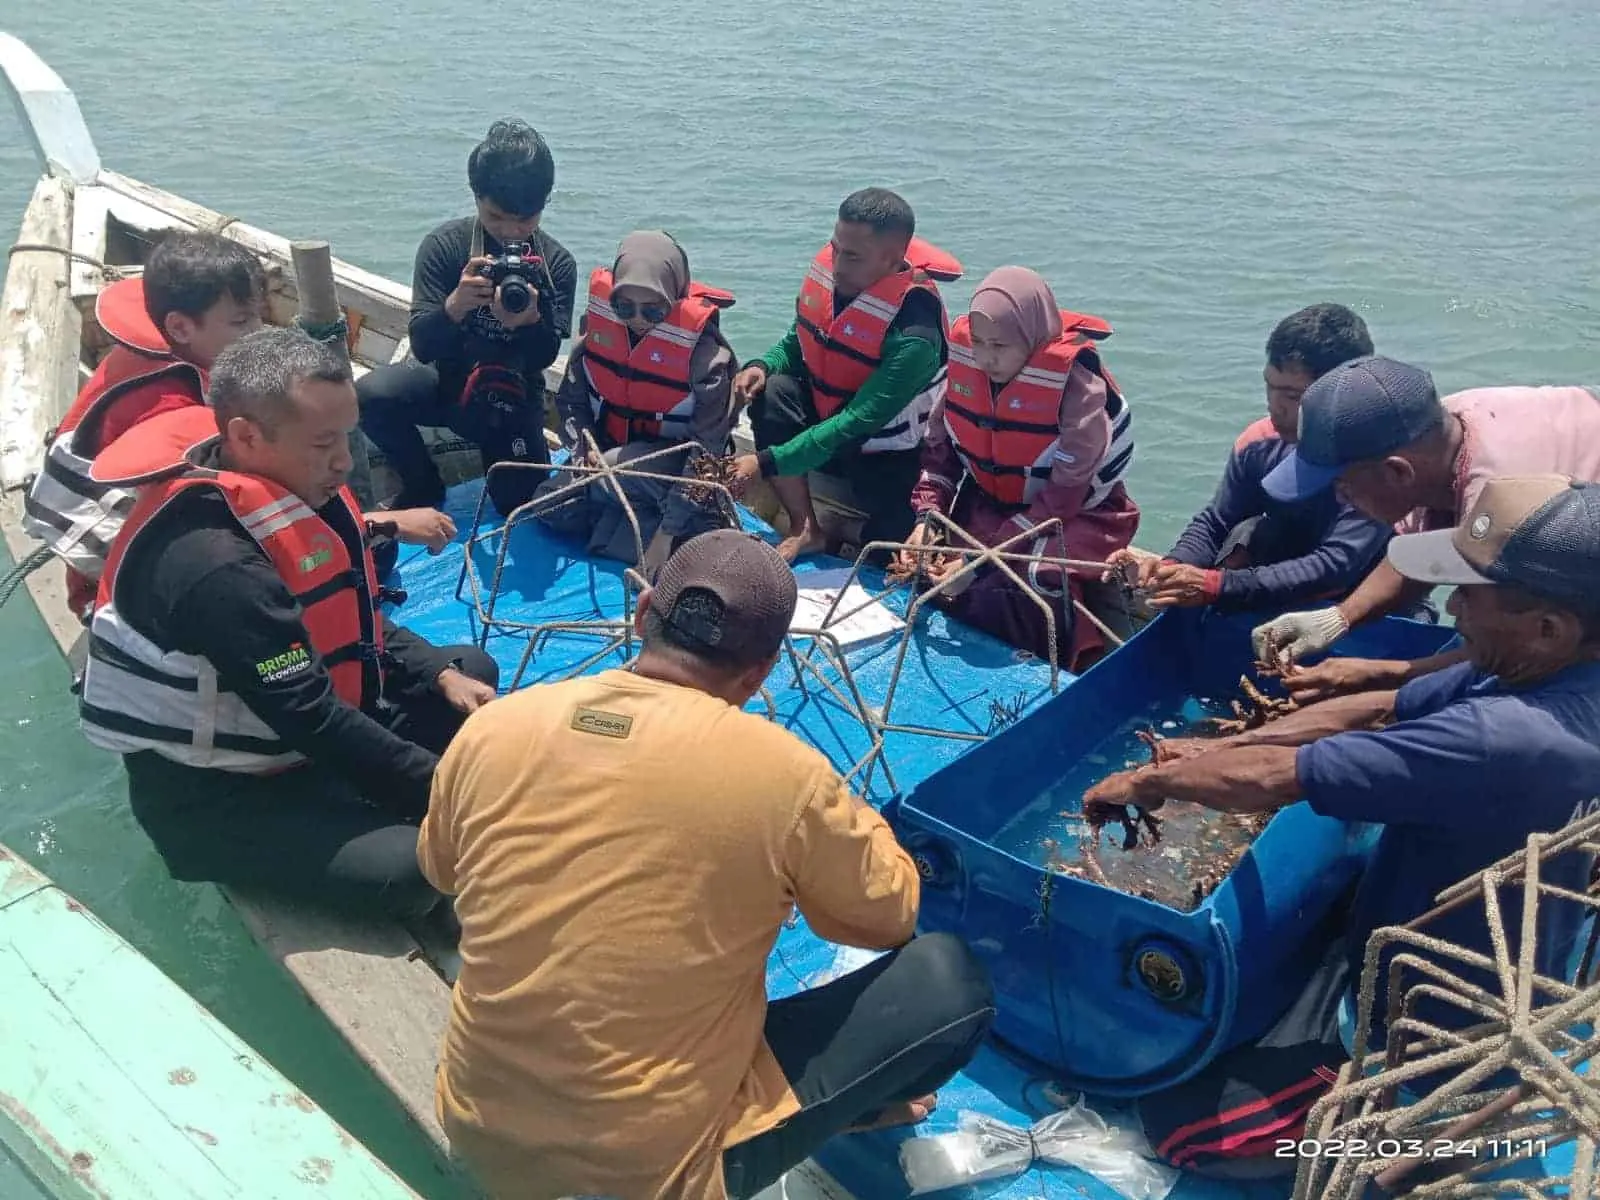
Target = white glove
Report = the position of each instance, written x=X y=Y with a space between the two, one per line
x=1299 y=635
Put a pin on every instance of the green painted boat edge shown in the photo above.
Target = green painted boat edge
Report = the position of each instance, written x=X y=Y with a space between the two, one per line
x=116 y=1084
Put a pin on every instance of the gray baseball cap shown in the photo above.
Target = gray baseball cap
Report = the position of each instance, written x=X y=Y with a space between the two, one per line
x=754 y=588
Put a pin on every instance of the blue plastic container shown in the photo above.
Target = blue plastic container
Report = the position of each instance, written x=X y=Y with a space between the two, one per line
x=1119 y=995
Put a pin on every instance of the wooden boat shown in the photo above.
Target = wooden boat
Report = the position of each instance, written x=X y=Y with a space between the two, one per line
x=86 y=225
x=173 y=1105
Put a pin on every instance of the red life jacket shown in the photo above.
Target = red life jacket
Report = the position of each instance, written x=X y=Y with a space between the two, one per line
x=841 y=351
x=645 y=392
x=1008 y=442
x=141 y=696
x=75 y=516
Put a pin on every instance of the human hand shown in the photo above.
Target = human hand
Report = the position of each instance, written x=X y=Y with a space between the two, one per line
x=747 y=384
x=472 y=292
x=1109 y=799
x=1341 y=677
x=905 y=561
x=1135 y=566
x=422 y=527
x=462 y=691
x=746 y=467
x=1298 y=635
x=1179 y=585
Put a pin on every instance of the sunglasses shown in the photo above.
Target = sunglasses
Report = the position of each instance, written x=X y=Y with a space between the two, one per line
x=626 y=309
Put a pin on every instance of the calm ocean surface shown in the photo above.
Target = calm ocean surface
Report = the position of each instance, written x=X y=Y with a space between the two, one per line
x=1191 y=170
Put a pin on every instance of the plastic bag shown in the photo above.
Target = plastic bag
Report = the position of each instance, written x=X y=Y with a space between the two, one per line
x=982 y=1148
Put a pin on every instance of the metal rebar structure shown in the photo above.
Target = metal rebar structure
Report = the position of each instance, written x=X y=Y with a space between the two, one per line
x=615 y=633
x=816 y=656
x=1442 y=1145
x=974 y=556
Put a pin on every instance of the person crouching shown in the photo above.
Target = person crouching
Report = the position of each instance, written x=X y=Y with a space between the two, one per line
x=279 y=733
x=1031 y=427
x=652 y=371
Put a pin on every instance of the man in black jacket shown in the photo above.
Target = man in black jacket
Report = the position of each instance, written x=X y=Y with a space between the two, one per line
x=478 y=350
x=234 y=654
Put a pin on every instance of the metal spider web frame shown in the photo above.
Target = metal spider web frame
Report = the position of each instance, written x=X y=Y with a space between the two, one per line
x=1538 y=1027
x=815 y=655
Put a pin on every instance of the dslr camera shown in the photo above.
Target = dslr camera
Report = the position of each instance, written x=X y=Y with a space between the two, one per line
x=515 y=275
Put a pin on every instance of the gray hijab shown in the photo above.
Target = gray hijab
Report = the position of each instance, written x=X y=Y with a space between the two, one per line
x=651 y=259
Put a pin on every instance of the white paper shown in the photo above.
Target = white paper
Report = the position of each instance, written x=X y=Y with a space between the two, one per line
x=817 y=592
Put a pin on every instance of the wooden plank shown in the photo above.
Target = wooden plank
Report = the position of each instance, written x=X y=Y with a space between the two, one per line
x=376 y=347
x=40 y=330
x=48 y=585
x=373 y=986
x=49 y=113
x=172 y=1105
x=384 y=304
x=89 y=211
x=368 y=979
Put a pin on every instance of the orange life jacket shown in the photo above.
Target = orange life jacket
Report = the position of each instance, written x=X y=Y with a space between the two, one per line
x=645 y=391
x=141 y=696
x=842 y=350
x=65 y=509
x=1008 y=442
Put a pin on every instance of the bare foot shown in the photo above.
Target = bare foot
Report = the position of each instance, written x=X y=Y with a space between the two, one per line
x=809 y=540
x=911 y=1112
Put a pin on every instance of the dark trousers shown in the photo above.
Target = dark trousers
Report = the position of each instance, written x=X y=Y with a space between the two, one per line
x=882 y=482
x=897 y=1029
x=397 y=398
x=306 y=834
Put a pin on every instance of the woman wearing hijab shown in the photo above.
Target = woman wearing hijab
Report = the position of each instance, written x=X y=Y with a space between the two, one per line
x=1032 y=427
x=651 y=370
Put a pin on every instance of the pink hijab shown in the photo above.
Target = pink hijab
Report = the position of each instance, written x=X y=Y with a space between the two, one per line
x=1021 y=303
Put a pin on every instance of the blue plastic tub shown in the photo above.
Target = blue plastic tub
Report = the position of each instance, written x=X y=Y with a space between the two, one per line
x=1120 y=995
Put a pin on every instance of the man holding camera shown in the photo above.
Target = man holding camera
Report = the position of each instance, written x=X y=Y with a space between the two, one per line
x=491 y=302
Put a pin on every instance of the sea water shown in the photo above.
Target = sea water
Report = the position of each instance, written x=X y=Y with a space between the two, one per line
x=1197 y=845
x=1224 y=164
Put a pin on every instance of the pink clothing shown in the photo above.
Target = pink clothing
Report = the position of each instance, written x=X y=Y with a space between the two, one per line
x=1021 y=303
x=1085 y=436
x=1517 y=431
x=1088 y=534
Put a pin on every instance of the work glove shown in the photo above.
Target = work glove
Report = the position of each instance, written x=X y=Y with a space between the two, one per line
x=1298 y=635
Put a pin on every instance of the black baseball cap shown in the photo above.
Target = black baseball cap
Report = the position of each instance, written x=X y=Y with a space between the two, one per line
x=1363 y=409
x=1540 y=532
x=754 y=588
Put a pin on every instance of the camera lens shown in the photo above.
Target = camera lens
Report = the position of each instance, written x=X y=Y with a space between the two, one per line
x=515 y=294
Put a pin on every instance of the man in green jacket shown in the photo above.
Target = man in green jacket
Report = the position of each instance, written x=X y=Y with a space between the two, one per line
x=850 y=388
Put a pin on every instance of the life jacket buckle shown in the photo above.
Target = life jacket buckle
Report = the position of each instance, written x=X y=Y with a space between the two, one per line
x=391 y=595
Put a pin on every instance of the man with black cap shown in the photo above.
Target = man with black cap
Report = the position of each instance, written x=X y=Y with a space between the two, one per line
x=1458 y=767
x=1377 y=430
x=624 y=849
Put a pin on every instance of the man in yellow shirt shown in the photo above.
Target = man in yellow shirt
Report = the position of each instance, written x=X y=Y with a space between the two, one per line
x=624 y=850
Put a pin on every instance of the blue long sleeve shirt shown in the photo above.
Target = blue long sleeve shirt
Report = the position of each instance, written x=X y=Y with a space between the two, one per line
x=1315 y=549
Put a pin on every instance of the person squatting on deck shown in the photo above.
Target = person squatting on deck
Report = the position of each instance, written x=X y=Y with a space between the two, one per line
x=619 y=897
x=652 y=370
x=1246 y=549
x=1031 y=427
x=850 y=389
x=1376 y=431
x=479 y=348
x=1459 y=766
x=278 y=731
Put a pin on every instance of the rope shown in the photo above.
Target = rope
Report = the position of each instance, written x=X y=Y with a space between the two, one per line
x=41 y=248
x=13 y=579
x=332 y=332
